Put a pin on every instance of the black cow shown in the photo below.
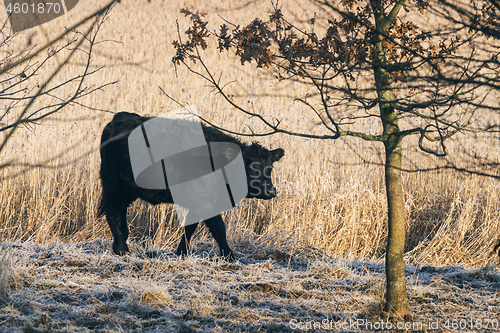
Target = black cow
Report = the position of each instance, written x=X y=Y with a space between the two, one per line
x=120 y=189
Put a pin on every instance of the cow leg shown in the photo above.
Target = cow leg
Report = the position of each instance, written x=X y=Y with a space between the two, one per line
x=184 y=244
x=124 y=225
x=114 y=217
x=218 y=230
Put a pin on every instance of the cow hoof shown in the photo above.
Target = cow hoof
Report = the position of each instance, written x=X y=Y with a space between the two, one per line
x=120 y=249
x=228 y=255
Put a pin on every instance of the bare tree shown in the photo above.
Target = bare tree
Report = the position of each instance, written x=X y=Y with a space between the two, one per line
x=24 y=79
x=429 y=84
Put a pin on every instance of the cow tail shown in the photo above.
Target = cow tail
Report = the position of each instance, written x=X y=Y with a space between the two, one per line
x=100 y=210
x=102 y=172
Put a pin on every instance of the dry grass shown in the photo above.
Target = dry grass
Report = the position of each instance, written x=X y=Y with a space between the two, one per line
x=82 y=287
x=329 y=201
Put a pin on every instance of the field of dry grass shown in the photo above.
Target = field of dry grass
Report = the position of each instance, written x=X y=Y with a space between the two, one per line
x=82 y=287
x=329 y=203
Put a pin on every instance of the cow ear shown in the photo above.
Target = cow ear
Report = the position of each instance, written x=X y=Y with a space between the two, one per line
x=277 y=154
x=230 y=153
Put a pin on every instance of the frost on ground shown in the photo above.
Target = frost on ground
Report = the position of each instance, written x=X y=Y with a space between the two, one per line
x=83 y=287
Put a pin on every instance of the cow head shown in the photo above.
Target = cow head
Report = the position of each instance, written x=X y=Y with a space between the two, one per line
x=259 y=165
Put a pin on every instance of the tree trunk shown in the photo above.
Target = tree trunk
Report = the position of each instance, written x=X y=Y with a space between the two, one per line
x=396 y=297
x=396 y=301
